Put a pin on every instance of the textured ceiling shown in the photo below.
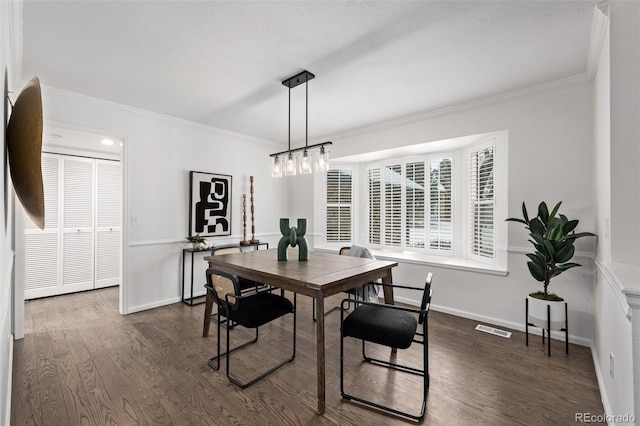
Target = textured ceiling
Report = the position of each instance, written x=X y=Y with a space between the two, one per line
x=222 y=63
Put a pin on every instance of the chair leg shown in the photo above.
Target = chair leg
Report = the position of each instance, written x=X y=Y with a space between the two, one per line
x=216 y=358
x=263 y=375
x=208 y=307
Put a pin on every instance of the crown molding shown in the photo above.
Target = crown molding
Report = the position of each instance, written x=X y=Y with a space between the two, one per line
x=551 y=86
x=14 y=18
x=151 y=114
x=598 y=29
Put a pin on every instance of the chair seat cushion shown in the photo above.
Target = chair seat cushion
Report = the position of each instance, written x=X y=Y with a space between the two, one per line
x=259 y=309
x=377 y=324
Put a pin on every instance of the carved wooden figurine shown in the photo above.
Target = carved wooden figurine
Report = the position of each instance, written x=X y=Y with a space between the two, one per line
x=244 y=241
x=253 y=227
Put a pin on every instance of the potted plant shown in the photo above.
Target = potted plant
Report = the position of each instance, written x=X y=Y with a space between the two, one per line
x=197 y=240
x=552 y=236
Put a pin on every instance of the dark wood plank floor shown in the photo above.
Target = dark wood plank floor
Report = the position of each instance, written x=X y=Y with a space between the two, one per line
x=82 y=363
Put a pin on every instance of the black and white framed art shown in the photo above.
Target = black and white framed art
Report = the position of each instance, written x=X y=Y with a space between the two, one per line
x=209 y=204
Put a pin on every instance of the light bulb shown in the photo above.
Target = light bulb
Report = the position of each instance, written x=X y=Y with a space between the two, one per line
x=305 y=163
x=322 y=160
x=276 y=167
x=290 y=166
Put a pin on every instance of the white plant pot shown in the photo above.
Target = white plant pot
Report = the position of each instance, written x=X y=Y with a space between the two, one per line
x=196 y=246
x=538 y=313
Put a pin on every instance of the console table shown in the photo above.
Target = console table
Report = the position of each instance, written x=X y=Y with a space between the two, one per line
x=191 y=300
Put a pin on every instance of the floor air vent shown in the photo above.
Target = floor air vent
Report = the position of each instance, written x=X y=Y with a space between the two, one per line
x=491 y=330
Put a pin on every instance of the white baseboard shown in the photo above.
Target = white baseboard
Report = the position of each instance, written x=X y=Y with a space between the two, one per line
x=497 y=321
x=7 y=417
x=600 y=379
x=140 y=308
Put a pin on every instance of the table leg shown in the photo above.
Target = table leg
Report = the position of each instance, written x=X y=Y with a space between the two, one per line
x=388 y=294
x=388 y=291
x=320 y=351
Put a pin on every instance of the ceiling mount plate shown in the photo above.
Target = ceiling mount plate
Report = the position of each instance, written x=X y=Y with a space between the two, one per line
x=298 y=79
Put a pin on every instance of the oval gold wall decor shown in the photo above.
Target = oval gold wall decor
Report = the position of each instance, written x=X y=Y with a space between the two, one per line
x=24 y=148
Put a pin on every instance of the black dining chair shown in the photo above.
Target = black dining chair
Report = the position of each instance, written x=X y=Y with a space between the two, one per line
x=351 y=293
x=251 y=310
x=392 y=326
x=245 y=285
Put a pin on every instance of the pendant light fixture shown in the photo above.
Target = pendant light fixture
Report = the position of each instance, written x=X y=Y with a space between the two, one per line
x=290 y=166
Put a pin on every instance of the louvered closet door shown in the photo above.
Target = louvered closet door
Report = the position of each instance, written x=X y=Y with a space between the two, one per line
x=78 y=223
x=108 y=216
x=42 y=247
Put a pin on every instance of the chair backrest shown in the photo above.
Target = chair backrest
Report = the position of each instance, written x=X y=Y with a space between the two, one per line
x=344 y=251
x=426 y=297
x=222 y=283
x=225 y=250
x=360 y=251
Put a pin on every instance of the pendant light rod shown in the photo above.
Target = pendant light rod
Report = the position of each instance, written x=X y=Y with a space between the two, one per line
x=289 y=118
x=306 y=113
x=302 y=148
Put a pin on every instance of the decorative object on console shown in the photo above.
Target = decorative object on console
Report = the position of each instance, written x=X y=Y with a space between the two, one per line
x=253 y=226
x=290 y=163
x=291 y=237
x=209 y=204
x=197 y=241
x=24 y=150
x=244 y=241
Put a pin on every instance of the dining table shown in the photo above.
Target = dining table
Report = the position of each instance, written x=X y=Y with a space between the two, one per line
x=323 y=274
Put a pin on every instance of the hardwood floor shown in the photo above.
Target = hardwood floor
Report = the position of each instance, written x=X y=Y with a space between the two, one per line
x=82 y=363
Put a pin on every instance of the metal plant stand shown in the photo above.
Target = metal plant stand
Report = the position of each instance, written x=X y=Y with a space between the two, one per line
x=565 y=329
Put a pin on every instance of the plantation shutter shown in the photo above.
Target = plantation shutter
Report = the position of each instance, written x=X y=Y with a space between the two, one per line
x=108 y=184
x=393 y=205
x=41 y=251
x=78 y=219
x=440 y=207
x=481 y=203
x=374 y=188
x=338 y=222
x=415 y=205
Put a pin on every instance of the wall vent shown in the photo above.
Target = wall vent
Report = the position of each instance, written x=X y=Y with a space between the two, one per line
x=491 y=330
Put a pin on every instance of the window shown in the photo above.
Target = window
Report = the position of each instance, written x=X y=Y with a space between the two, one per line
x=415 y=211
x=374 y=185
x=416 y=208
x=393 y=205
x=481 y=202
x=338 y=214
x=440 y=205
x=425 y=207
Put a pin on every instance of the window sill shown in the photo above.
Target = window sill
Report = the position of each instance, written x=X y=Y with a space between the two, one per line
x=430 y=260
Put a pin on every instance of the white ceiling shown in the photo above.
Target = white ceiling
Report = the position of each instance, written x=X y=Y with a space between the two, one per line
x=74 y=141
x=221 y=63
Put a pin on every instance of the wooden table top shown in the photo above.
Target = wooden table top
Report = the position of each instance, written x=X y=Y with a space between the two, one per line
x=329 y=273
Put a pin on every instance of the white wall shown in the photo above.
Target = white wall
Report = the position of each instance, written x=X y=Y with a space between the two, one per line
x=550 y=159
x=615 y=213
x=625 y=131
x=6 y=237
x=613 y=329
x=158 y=154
